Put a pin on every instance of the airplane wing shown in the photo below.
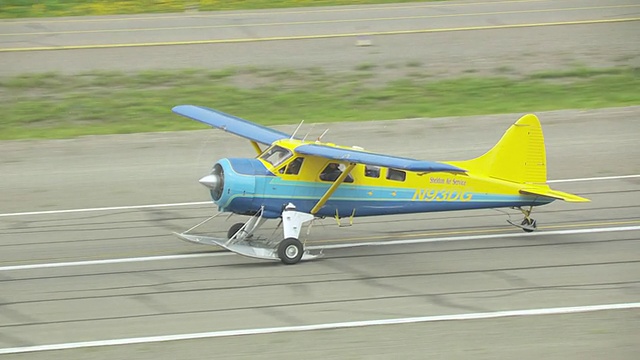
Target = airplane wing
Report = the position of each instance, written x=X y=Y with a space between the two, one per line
x=230 y=123
x=362 y=157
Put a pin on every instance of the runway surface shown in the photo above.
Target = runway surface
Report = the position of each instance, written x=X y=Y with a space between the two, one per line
x=88 y=265
x=448 y=38
x=136 y=280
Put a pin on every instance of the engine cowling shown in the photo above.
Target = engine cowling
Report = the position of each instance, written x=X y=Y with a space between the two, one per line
x=232 y=184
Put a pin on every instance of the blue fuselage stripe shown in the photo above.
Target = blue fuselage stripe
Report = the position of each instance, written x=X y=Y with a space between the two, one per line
x=274 y=193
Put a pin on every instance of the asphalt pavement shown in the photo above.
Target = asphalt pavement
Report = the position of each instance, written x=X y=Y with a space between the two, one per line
x=89 y=268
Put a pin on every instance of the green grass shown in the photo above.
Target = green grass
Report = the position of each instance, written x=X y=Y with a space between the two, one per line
x=579 y=72
x=51 y=8
x=59 y=106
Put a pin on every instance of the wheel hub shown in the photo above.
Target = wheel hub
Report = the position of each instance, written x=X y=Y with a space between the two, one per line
x=291 y=251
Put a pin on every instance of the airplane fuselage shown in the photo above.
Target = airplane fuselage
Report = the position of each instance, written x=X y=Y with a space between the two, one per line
x=250 y=185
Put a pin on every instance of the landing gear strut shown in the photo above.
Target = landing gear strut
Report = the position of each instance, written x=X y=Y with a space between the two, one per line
x=528 y=224
x=290 y=250
x=241 y=240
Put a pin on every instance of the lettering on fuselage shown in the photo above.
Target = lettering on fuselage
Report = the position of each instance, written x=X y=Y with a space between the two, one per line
x=441 y=195
x=448 y=181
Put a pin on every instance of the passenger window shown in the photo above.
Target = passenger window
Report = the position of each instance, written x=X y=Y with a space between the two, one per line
x=372 y=171
x=332 y=173
x=294 y=167
x=396 y=175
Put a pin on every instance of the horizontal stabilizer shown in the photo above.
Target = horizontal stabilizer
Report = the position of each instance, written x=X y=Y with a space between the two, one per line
x=362 y=157
x=230 y=123
x=545 y=191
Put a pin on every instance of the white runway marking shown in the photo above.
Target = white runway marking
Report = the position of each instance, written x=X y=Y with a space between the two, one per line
x=112 y=208
x=335 y=246
x=134 y=207
x=109 y=261
x=326 y=326
x=602 y=178
x=476 y=237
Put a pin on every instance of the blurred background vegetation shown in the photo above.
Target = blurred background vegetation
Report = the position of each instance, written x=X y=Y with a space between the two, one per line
x=50 y=105
x=46 y=8
x=53 y=105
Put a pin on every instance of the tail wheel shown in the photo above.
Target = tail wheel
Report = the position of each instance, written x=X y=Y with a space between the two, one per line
x=290 y=251
x=529 y=225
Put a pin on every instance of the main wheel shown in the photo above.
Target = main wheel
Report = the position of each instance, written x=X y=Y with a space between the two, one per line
x=290 y=251
x=234 y=229
x=531 y=223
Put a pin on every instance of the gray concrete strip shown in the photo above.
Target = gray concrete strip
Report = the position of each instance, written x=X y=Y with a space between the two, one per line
x=490 y=46
x=328 y=326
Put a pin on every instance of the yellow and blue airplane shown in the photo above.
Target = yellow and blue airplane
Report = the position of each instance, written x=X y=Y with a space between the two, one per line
x=299 y=180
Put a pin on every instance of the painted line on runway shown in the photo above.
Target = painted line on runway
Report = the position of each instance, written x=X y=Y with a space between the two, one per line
x=325 y=326
x=475 y=237
x=252 y=13
x=110 y=261
x=602 y=178
x=316 y=22
x=323 y=247
x=136 y=207
x=545 y=228
x=111 y=208
x=318 y=36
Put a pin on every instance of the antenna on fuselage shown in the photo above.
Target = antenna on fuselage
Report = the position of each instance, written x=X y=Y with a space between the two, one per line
x=323 y=134
x=296 y=130
x=309 y=132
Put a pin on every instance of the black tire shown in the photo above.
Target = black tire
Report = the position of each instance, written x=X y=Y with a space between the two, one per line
x=290 y=251
x=529 y=222
x=234 y=229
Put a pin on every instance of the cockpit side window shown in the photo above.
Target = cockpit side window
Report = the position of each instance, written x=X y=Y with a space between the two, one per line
x=276 y=155
x=332 y=173
x=294 y=166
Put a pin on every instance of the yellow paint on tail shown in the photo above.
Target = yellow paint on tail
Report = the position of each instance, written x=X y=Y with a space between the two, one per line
x=519 y=157
x=544 y=190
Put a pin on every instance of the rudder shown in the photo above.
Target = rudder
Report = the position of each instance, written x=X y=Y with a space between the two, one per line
x=519 y=156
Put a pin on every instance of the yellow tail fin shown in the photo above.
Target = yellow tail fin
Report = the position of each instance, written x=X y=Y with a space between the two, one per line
x=519 y=156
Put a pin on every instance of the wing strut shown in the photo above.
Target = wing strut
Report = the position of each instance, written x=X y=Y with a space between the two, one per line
x=256 y=147
x=332 y=188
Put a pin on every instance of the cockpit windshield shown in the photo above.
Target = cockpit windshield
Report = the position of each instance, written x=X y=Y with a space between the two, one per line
x=276 y=155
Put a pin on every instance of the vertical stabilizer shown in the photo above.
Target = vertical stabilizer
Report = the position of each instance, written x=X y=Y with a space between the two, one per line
x=519 y=156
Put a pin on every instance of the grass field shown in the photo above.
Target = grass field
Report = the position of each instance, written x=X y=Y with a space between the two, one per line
x=59 y=106
x=49 y=105
x=50 y=8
